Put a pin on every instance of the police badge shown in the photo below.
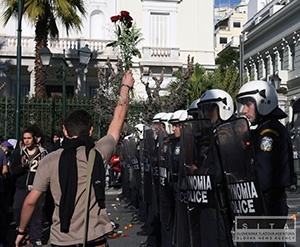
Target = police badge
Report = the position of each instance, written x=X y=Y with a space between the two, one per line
x=266 y=144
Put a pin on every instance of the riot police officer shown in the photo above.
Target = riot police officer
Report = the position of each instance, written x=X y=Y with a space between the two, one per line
x=258 y=102
x=217 y=106
x=151 y=182
x=181 y=223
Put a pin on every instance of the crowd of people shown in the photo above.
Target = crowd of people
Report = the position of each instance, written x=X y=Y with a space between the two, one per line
x=180 y=174
x=19 y=162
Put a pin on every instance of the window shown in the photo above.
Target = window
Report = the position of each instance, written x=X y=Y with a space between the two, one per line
x=159 y=29
x=25 y=90
x=93 y=91
x=236 y=24
x=223 y=40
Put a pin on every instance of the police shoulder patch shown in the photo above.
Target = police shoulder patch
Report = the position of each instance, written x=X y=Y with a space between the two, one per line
x=266 y=144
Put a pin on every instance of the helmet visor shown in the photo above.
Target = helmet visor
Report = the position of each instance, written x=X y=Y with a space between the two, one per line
x=208 y=110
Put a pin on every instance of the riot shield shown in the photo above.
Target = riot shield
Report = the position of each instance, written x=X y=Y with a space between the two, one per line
x=166 y=192
x=239 y=170
x=130 y=146
x=142 y=167
x=150 y=170
x=201 y=170
x=125 y=164
x=197 y=194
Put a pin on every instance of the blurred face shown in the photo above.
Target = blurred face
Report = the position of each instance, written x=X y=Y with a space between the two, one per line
x=156 y=127
x=28 y=140
x=210 y=111
x=176 y=130
x=55 y=138
x=248 y=109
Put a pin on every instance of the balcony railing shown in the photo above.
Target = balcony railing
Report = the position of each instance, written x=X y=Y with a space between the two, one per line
x=8 y=46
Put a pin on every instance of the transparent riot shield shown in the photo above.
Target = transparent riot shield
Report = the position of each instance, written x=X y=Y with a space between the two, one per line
x=166 y=190
x=238 y=166
x=197 y=195
x=150 y=170
x=125 y=163
x=130 y=146
x=142 y=167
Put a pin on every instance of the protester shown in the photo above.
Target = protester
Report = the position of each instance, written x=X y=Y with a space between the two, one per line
x=66 y=170
x=23 y=167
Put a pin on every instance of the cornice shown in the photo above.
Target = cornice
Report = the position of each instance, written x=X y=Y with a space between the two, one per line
x=284 y=14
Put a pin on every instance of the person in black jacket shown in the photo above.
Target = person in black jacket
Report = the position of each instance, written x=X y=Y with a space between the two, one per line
x=24 y=164
x=272 y=144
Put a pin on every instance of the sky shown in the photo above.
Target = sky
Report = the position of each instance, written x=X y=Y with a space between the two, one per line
x=226 y=2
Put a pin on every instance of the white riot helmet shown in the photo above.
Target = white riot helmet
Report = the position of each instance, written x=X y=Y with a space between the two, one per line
x=139 y=128
x=222 y=99
x=165 y=120
x=262 y=93
x=157 y=117
x=184 y=116
x=175 y=117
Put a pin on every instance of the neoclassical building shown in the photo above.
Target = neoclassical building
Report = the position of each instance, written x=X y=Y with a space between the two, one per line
x=271 y=47
x=172 y=30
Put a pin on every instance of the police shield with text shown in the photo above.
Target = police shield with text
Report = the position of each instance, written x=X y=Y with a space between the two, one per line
x=239 y=170
x=271 y=143
x=210 y=223
x=151 y=181
x=181 y=235
x=166 y=190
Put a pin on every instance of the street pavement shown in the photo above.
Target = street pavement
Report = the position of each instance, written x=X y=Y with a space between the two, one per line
x=293 y=201
x=125 y=235
x=117 y=213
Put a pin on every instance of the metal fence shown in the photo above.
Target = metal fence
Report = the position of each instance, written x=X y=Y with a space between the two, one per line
x=47 y=114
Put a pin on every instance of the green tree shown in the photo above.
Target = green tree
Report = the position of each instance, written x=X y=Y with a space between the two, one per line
x=226 y=77
x=227 y=80
x=44 y=15
x=227 y=58
x=198 y=83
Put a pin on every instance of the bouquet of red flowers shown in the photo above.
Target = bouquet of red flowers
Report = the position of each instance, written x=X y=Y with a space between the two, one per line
x=128 y=36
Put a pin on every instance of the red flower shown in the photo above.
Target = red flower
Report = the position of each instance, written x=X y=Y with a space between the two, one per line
x=127 y=38
x=124 y=13
x=115 y=18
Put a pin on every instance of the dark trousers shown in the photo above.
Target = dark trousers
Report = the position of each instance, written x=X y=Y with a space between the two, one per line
x=3 y=217
x=167 y=235
x=125 y=181
x=154 y=238
x=36 y=222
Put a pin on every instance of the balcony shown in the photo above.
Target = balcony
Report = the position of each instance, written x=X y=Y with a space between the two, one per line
x=150 y=55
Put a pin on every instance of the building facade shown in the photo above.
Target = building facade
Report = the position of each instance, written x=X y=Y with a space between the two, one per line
x=172 y=31
x=229 y=24
x=271 y=47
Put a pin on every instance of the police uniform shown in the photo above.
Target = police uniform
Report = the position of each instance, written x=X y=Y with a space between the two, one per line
x=274 y=157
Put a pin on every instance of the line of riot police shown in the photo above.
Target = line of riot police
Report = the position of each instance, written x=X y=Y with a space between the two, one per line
x=195 y=170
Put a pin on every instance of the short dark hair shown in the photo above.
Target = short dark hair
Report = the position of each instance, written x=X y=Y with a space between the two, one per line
x=31 y=130
x=78 y=123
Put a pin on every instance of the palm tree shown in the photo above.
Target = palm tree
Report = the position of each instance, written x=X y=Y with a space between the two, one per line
x=44 y=15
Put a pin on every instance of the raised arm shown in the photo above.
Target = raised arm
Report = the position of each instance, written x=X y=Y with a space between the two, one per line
x=116 y=124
